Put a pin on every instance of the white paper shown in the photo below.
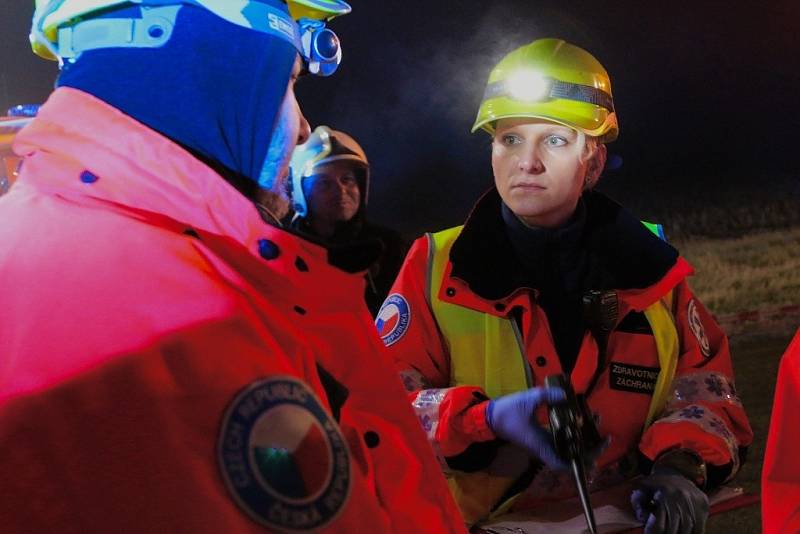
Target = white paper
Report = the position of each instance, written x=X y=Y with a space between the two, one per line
x=613 y=515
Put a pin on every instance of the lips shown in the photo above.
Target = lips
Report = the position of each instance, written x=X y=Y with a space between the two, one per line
x=529 y=187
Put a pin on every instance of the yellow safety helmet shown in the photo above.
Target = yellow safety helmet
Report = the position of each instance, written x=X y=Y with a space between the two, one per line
x=553 y=80
x=317 y=9
x=58 y=25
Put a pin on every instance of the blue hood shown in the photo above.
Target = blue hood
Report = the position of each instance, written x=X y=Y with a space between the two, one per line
x=215 y=88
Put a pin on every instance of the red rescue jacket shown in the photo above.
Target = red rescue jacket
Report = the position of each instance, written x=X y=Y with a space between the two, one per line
x=171 y=363
x=780 y=476
x=703 y=415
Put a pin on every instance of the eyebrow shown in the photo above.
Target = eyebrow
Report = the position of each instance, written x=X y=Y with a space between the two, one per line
x=550 y=130
x=558 y=128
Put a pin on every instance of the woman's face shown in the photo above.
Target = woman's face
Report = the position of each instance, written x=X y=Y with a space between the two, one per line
x=539 y=171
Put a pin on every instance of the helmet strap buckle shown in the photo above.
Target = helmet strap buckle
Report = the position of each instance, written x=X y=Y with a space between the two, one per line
x=153 y=30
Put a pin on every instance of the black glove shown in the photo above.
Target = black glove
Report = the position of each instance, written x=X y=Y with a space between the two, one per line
x=668 y=502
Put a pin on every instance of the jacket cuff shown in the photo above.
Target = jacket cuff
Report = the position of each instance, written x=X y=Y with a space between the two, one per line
x=475 y=424
x=686 y=462
x=462 y=420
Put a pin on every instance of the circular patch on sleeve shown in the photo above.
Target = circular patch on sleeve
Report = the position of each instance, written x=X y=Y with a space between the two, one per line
x=696 y=326
x=393 y=319
x=283 y=457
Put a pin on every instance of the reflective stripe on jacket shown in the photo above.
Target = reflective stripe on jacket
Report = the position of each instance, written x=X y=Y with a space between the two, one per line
x=702 y=411
x=487 y=351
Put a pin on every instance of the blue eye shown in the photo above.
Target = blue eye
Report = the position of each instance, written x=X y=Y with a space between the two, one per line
x=511 y=139
x=555 y=140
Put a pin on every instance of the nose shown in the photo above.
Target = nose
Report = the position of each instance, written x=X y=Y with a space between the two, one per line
x=341 y=192
x=344 y=187
x=531 y=162
x=304 y=131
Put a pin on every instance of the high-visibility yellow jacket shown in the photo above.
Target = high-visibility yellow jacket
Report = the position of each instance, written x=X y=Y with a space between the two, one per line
x=461 y=331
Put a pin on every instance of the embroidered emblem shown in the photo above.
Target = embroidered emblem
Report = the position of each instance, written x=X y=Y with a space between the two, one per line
x=686 y=389
x=393 y=319
x=692 y=412
x=722 y=429
x=710 y=423
x=283 y=457
x=426 y=406
x=426 y=422
x=697 y=329
x=706 y=387
x=714 y=385
x=633 y=378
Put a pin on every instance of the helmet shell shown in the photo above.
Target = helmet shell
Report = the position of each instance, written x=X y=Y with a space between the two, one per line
x=317 y=9
x=325 y=145
x=555 y=60
x=51 y=15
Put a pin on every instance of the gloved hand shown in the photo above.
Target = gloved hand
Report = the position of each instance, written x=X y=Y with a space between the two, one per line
x=667 y=501
x=512 y=418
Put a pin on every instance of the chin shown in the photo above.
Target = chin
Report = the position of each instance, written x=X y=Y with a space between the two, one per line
x=523 y=210
x=276 y=203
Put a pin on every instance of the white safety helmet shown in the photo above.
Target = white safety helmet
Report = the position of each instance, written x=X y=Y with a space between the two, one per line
x=325 y=145
x=63 y=29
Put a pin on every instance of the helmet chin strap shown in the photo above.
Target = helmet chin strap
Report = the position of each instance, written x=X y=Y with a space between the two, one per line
x=267 y=215
x=266 y=198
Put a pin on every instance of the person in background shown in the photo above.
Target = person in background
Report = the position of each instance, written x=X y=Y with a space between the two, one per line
x=18 y=117
x=780 y=475
x=546 y=277
x=172 y=360
x=330 y=185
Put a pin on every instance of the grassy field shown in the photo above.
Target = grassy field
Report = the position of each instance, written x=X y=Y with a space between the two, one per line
x=757 y=271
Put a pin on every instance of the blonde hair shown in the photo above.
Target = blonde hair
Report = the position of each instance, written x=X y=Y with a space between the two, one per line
x=589 y=146
x=589 y=149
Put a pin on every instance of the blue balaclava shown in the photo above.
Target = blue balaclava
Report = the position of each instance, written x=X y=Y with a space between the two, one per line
x=215 y=88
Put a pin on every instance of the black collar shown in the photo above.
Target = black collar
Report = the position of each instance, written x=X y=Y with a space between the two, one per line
x=623 y=254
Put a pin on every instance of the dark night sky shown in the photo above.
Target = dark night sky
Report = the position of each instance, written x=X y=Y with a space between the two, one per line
x=704 y=91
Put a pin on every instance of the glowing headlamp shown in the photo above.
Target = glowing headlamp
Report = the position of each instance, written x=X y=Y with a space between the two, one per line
x=528 y=85
x=319 y=46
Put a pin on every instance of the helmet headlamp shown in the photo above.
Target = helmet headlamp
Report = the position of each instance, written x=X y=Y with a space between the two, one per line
x=552 y=80
x=528 y=86
x=61 y=29
x=320 y=47
x=531 y=86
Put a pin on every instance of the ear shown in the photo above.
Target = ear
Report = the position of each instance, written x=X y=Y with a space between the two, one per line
x=595 y=166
